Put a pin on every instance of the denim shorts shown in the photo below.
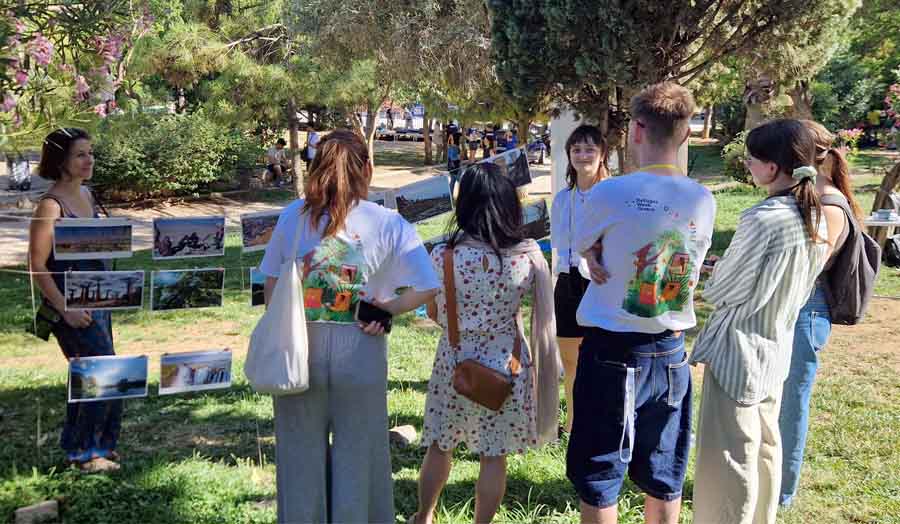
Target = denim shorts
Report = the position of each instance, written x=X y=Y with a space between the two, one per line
x=602 y=445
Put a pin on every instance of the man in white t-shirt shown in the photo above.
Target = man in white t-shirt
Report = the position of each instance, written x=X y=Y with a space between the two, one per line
x=312 y=141
x=276 y=161
x=633 y=385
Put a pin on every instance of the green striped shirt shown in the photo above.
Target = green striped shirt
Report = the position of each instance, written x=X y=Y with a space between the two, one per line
x=758 y=289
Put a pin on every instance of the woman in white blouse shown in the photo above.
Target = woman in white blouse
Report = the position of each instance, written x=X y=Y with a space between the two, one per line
x=587 y=153
x=758 y=287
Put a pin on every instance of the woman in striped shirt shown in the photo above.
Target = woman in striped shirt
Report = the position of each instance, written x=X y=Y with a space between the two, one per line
x=758 y=288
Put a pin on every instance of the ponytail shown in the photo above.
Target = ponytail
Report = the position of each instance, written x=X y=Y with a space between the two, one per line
x=338 y=179
x=840 y=177
x=810 y=207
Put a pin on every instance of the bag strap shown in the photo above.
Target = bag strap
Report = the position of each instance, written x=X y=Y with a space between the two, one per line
x=515 y=364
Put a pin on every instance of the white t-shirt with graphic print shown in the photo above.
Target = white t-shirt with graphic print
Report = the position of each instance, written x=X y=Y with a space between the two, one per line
x=376 y=253
x=655 y=230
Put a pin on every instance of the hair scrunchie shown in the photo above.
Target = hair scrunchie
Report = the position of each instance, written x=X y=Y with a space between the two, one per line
x=804 y=172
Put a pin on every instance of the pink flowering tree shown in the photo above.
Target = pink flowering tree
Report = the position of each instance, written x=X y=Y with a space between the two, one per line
x=63 y=64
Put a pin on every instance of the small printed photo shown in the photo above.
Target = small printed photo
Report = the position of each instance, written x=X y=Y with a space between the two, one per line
x=257 y=287
x=256 y=230
x=384 y=198
x=424 y=199
x=186 y=288
x=107 y=378
x=91 y=238
x=536 y=220
x=188 y=237
x=195 y=371
x=101 y=290
x=513 y=164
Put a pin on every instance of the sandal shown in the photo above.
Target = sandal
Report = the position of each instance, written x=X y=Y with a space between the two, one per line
x=99 y=465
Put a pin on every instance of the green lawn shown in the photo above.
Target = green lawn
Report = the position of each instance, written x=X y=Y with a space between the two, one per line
x=208 y=458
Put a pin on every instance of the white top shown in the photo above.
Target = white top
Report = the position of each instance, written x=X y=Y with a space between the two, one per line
x=312 y=141
x=656 y=230
x=758 y=287
x=376 y=253
x=274 y=155
x=561 y=219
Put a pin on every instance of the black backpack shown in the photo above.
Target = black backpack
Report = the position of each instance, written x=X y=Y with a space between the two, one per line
x=892 y=251
x=850 y=282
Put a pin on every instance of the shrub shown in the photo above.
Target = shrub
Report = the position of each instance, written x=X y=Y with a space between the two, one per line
x=145 y=156
x=733 y=155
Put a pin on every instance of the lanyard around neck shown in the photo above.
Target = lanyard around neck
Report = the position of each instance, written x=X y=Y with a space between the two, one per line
x=662 y=166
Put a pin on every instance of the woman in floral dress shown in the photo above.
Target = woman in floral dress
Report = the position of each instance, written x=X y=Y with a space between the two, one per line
x=494 y=268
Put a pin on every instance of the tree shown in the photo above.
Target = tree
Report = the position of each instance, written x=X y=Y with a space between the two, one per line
x=63 y=62
x=598 y=53
x=801 y=48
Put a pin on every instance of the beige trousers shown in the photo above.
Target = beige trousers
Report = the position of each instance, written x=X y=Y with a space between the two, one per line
x=738 y=472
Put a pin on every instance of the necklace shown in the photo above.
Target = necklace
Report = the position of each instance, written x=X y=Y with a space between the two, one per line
x=663 y=166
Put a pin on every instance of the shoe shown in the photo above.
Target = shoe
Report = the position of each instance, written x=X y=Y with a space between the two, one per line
x=99 y=465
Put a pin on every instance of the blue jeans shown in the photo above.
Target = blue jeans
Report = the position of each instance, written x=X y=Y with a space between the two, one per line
x=90 y=427
x=810 y=335
x=632 y=402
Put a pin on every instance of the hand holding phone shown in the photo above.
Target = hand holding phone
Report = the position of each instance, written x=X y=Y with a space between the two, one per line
x=366 y=312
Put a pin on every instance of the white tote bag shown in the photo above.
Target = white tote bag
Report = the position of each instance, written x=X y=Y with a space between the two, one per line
x=278 y=359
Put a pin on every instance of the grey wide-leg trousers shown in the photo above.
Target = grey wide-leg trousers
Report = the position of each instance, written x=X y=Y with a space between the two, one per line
x=332 y=456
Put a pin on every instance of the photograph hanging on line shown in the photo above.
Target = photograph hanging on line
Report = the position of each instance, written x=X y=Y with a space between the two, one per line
x=101 y=290
x=91 y=238
x=384 y=198
x=424 y=199
x=186 y=288
x=107 y=378
x=257 y=287
x=256 y=230
x=536 y=220
x=513 y=164
x=194 y=371
x=188 y=237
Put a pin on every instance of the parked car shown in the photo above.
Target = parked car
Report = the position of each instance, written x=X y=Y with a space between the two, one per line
x=384 y=133
x=536 y=152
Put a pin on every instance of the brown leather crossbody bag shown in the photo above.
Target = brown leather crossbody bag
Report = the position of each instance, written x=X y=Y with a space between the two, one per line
x=472 y=379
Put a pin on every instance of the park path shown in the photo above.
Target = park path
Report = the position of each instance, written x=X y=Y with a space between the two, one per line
x=14 y=228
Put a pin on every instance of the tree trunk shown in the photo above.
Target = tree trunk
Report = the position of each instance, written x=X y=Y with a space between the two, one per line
x=294 y=140
x=523 y=123
x=712 y=120
x=707 y=122
x=802 y=99
x=426 y=131
x=369 y=136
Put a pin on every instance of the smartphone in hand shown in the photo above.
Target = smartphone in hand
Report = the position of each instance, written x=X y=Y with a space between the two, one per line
x=367 y=312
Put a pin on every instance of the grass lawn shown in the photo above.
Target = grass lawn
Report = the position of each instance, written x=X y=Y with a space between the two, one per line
x=208 y=458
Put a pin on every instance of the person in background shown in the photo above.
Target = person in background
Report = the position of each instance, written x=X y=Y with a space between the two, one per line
x=440 y=143
x=512 y=141
x=333 y=460
x=758 y=287
x=473 y=141
x=312 y=142
x=494 y=268
x=487 y=142
x=632 y=392
x=500 y=137
x=90 y=432
x=277 y=162
x=814 y=321
x=453 y=162
x=587 y=153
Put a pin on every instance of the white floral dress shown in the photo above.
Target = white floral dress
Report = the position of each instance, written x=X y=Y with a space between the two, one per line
x=487 y=301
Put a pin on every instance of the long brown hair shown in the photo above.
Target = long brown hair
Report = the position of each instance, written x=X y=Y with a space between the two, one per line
x=338 y=179
x=839 y=167
x=788 y=144
x=588 y=135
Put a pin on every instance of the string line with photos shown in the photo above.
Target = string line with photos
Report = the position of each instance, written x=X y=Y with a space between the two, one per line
x=178 y=238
